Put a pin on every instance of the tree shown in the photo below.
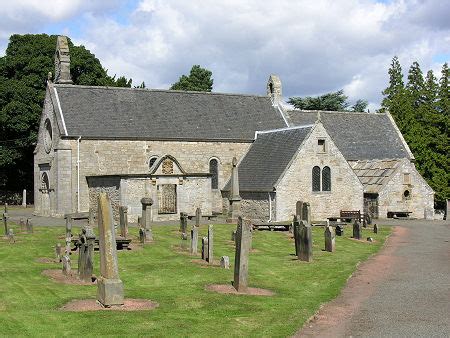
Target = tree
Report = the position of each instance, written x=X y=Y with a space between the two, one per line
x=360 y=106
x=335 y=101
x=199 y=80
x=23 y=76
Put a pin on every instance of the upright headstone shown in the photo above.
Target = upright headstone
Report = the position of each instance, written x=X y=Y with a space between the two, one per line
x=146 y=220
x=29 y=226
x=243 y=244
x=339 y=230
x=233 y=235
x=305 y=244
x=194 y=240
x=375 y=229
x=123 y=221
x=198 y=217
x=235 y=198
x=91 y=220
x=296 y=230
x=24 y=198
x=225 y=262
x=205 y=248
x=299 y=210
x=356 y=230
x=110 y=287
x=86 y=254
x=66 y=266
x=58 y=252
x=5 y=222
x=330 y=239
x=6 y=208
x=142 y=236
x=69 y=223
x=306 y=213
x=11 y=237
x=22 y=224
x=139 y=222
x=210 y=244
x=183 y=225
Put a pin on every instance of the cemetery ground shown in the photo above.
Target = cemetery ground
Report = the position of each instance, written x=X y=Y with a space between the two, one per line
x=164 y=272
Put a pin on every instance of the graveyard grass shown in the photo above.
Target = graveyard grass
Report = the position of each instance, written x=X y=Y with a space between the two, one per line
x=30 y=301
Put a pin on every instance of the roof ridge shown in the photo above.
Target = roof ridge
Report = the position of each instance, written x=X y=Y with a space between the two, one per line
x=336 y=112
x=57 y=85
x=281 y=129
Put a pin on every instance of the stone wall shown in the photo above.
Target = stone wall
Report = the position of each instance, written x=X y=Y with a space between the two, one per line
x=296 y=184
x=421 y=197
x=255 y=206
x=109 y=185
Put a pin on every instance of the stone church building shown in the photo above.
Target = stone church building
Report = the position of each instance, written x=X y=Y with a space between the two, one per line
x=177 y=148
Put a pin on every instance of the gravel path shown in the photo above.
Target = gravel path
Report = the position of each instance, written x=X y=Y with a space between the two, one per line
x=404 y=291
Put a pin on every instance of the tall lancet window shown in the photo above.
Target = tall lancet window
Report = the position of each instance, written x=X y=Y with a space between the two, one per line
x=214 y=171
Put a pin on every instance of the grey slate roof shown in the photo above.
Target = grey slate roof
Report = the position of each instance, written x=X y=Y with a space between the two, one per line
x=359 y=136
x=374 y=174
x=267 y=158
x=105 y=112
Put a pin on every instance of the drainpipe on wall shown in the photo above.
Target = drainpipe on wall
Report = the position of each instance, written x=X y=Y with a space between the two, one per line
x=270 y=208
x=78 y=174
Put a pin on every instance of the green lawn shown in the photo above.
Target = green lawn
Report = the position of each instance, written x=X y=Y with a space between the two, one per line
x=29 y=301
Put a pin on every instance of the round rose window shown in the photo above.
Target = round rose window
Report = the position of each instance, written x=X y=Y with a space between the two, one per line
x=47 y=136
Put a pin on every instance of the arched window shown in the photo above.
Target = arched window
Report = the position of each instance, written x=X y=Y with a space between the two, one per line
x=326 y=179
x=152 y=161
x=316 y=178
x=214 y=171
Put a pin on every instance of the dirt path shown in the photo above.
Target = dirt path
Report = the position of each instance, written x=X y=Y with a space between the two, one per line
x=402 y=291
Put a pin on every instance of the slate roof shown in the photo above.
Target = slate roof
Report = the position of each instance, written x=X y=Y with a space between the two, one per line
x=268 y=157
x=374 y=174
x=106 y=112
x=359 y=136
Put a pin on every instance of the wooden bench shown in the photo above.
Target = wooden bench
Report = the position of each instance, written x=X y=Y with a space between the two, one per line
x=209 y=217
x=280 y=226
x=350 y=215
x=399 y=214
x=121 y=243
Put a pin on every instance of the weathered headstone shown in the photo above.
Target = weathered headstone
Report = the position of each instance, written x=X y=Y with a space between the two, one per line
x=356 y=230
x=235 y=198
x=58 y=252
x=198 y=217
x=210 y=244
x=91 y=219
x=22 y=224
x=5 y=221
x=24 y=198
x=205 y=248
x=194 y=240
x=233 y=235
x=305 y=243
x=369 y=239
x=183 y=222
x=375 y=229
x=29 y=226
x=146 y=219
x=142 y=236
x=69 y=224
x=123 y=221
x=339 y=230
x=306 y=213
x=110 y=287
x=11 y=237
x=225 y=262
x=86 y=254
x=243 y=244
x=296 y=230
x=330 y=239
x=66 y=266
x=299 y=210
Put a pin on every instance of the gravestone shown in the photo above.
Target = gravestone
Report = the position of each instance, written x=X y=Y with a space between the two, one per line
x=369 y=239
x=339 y=230
x=194 y=240
x=299 y=210
x=306 y=213
x=69 y=223
x=198 y=217
x=139 y=221
x=58 y=252
x=29 y=226
x=66 y=266
x=109 y=285
x=24 y=198
x=184 y=237
x=142 y=236
x=146 y=218
x=210 y=244
x=305 y=243
x=86 y=254
x=235 y=198
x=5 y=222
x=296 y=229
x=205 y=248
x=330 y=239
x=183 y=225
x=243 y=244
x=123 y=221
x=375 y=229
x=356 y=230
x=11 y=237
x=233 y=235
x=225 y=262
x=22 y=224
x=91 y=219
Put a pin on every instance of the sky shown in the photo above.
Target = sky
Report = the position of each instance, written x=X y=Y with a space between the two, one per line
x=314 y=47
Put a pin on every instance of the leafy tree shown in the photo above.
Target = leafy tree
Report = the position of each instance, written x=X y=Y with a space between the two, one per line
x=199 y=80
x=360 y=106
x=335 y=101
x=23 y=76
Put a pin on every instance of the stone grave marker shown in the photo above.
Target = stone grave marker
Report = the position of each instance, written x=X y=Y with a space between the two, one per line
x=109 y=285
x=91 y=219
x=299 y=210
x=11 y=237
x=24 y=198
x=234 y=198
x=5 y=221
x=225 y=262
x=210 y=244
x=233 y=235
x=22 y=224
x=305 y=243
x=330 y=239
x=86 y=254
x=146 y=219
x=339 y=230
x=356 y=230
x=123 y=221
x=296 y=229
x=58 y=252
x=194 y=240
x=142 y=236
x=29 y=226
x=183 y=222
x=139 y=222
x=375 y=229
x=198 y=217
x=306 y=213
x=369 y=239
x=205 y=248
x=66 y=265
x=243 y=244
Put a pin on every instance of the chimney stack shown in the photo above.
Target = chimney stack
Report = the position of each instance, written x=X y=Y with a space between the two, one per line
x=62 y=61
x=274 y=89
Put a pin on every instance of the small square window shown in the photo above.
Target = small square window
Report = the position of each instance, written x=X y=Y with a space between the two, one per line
x=321 y=145
x=406 y=178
